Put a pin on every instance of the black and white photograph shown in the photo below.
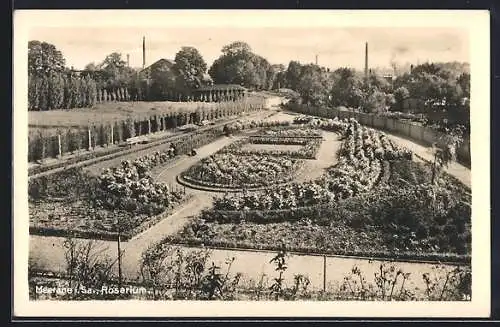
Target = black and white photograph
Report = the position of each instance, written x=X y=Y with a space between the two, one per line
x=251 y=163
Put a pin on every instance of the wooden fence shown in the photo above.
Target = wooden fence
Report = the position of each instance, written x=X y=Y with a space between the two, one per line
x=87 y=138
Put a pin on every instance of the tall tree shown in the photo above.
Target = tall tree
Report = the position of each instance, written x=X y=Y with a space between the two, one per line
x=44 y=58
x=239 y=65
x=347 y=88
x=400 y=95
x=293 y=73
x=190 y=66
x=314 y=85
x=115 y=72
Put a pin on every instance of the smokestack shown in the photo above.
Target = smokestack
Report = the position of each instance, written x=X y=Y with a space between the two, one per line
x=128 y=60
x=366 y=60
x=143 y=52
x=316 y=60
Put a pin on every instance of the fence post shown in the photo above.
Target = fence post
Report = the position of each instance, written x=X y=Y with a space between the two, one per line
x=324 y=273
x=112 y=140
x=149 y=125
x=90 y=139
x=59 y=145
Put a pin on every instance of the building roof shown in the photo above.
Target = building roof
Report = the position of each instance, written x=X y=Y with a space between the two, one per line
x=169 y=63
x=221 y=87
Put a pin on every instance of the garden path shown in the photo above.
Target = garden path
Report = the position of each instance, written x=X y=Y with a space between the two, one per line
x=326 y=157
x=253 y=264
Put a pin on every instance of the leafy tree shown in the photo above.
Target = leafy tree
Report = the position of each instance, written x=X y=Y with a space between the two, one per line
x=55 y=91
x=347 y=88
x=190 y=66
x=400 y=95
x=44 y=58
x=314 y=85
x=293 y=74
x=374 y=101
x=33 y=92
x=239 y=65
x=114 y=72
x=445 y=154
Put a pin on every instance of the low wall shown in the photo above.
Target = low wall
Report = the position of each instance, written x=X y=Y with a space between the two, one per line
x=420 y=134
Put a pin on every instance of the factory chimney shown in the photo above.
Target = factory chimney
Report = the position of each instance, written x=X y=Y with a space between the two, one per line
x=366 y=60
x=143 y=52
x=128 y=60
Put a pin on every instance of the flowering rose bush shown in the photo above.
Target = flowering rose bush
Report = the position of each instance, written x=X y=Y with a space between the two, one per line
x=358 y=171
x=131 y=188
x=229 y=170
x=309 y=149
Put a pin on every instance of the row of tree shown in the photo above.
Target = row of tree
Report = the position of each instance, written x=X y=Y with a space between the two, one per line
x=62 y=91
x=441 y=86
x=434 y=87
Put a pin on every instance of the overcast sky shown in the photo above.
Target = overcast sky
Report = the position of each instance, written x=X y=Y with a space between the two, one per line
x=334 y=46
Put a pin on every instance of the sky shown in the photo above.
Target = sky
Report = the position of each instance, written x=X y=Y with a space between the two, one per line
x=334 y=46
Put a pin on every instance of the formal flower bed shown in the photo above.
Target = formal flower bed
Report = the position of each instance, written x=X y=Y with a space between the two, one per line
x=359 y=169
x=292 y=132
x=235 y=171
x=308 y=147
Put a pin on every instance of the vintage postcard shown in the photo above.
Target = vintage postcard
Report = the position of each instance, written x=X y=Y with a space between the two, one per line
x=251 y=163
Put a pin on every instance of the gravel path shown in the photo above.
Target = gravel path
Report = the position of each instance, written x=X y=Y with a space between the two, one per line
x=326 y=157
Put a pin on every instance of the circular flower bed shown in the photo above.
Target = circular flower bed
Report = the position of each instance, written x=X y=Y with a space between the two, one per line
x=235 y=171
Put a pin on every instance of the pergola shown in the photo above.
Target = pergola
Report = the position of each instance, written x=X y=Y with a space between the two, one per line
x=219 y=92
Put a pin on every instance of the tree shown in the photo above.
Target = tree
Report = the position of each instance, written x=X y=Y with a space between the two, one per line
x=238 y=65
x=33 y=92
x=347 y=88
x=374 y=101
x=163 y=81
x=314 y=85
x=115 y=72
x=464 y=82
x=444 y=155
x=55 y=91
x=400 y=95
x=44 y=58
x=292 y=75
x=190 y=66
x=237 y=49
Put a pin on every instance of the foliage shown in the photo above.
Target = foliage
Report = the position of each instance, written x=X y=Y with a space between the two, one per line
x=239 y=65
x=44 y=59
x=228 y=170
x=176 y=274
x=190 y=66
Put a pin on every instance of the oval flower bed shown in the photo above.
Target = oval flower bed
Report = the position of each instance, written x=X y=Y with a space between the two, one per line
x=235 y=171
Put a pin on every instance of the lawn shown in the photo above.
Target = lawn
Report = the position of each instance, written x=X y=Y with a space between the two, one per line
x=113 y=111
x=107 y=112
